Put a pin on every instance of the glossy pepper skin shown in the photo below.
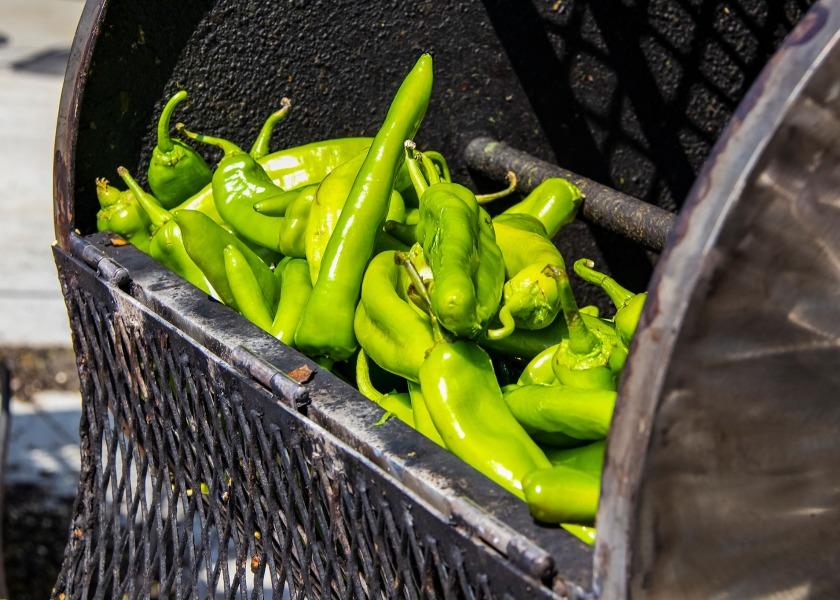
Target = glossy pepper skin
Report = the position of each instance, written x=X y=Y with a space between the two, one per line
x=239 y=182
x=327 y=206
x=554 y=203
x=127 y=220
x=397 y=404
x=560 y=494
x=591 y=357
x=295 y=213
x=295 y=288
x=326 y=328
x=246 y=289
x=392 y=333
x=531 y=293
x=588 y=458
x=577 y=413
x=628 y=305
x=422 y=419
x=466 y=406
x=459 y=247
x=205 y=241
x=108 y=195
x=290 y=169
x=539 y=369
x=166 y=244
x=176 y=170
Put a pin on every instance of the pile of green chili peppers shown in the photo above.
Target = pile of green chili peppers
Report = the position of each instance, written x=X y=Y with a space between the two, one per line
x=365 y=255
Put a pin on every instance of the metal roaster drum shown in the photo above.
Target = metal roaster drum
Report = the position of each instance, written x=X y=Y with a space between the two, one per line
x=207 y=470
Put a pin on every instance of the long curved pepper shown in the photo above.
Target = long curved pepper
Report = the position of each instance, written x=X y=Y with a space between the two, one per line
x=176 y=171
x=326 y=328
x=590 y=357
x=166 y=244
x=554 y=203
x=396 y=404
x=246 y=289
x=628 y=305
x=239 y=182
x=260 y=147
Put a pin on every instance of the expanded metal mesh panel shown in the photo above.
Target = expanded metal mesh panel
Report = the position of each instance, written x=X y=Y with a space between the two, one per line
x=198 y=482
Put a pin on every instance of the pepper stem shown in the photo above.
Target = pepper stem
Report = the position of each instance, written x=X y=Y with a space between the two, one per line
x=415 y=172
x=485 y=198
x=260 y=147
x=157 y=214
x=227 y=147
x=440 y=162
x=619 y=295
x=404 y=260
x=429 y=168
x=164 y=142
x=363 y=382
x=581 y=339
x=508 y=325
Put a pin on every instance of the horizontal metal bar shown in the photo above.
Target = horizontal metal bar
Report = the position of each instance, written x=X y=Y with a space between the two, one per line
x=639 y=221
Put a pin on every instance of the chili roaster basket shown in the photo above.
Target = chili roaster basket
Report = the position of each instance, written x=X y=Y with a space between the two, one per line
x=207 y=471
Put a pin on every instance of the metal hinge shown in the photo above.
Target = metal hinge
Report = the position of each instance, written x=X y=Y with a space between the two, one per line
x=107 y=269
x=271 y=377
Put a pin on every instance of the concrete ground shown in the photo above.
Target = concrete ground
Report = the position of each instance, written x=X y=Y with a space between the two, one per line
x=41 y=471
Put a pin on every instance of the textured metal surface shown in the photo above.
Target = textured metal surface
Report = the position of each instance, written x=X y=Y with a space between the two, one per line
x=631 y=95
x=196 y=483
x=723 y=466
x=629 y=217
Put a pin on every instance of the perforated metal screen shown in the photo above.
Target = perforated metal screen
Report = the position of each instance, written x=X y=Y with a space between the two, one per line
x=198 y=482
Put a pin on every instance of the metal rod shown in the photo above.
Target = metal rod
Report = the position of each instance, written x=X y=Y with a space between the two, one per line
x=639 y=221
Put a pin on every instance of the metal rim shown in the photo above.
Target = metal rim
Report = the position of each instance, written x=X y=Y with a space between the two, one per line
x=678 y=281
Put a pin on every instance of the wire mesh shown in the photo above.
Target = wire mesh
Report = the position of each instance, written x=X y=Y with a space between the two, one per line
x=197 y=482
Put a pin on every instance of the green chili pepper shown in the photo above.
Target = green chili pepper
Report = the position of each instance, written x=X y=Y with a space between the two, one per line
x=589 y=458
x=554 y=203
x=531 y=294
x=561 y=494
x=628 y=305
x=525 y=344
x=391 y=332
x=128 y=220
x=295 y=289
x=466 y=406
x=246 y=289
x=295 y=213
x=326 y=210
x=326 y=328
x=521 y=221
x=539 y=370
x=422 y=419
x=459 y=244
x=290 y=169
x=166 y=244
x=176 y=170
x=239 y=182
x=578 y=413
x=109 y=195
x=206 y=240
x=394 y=403
x=590 y=357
